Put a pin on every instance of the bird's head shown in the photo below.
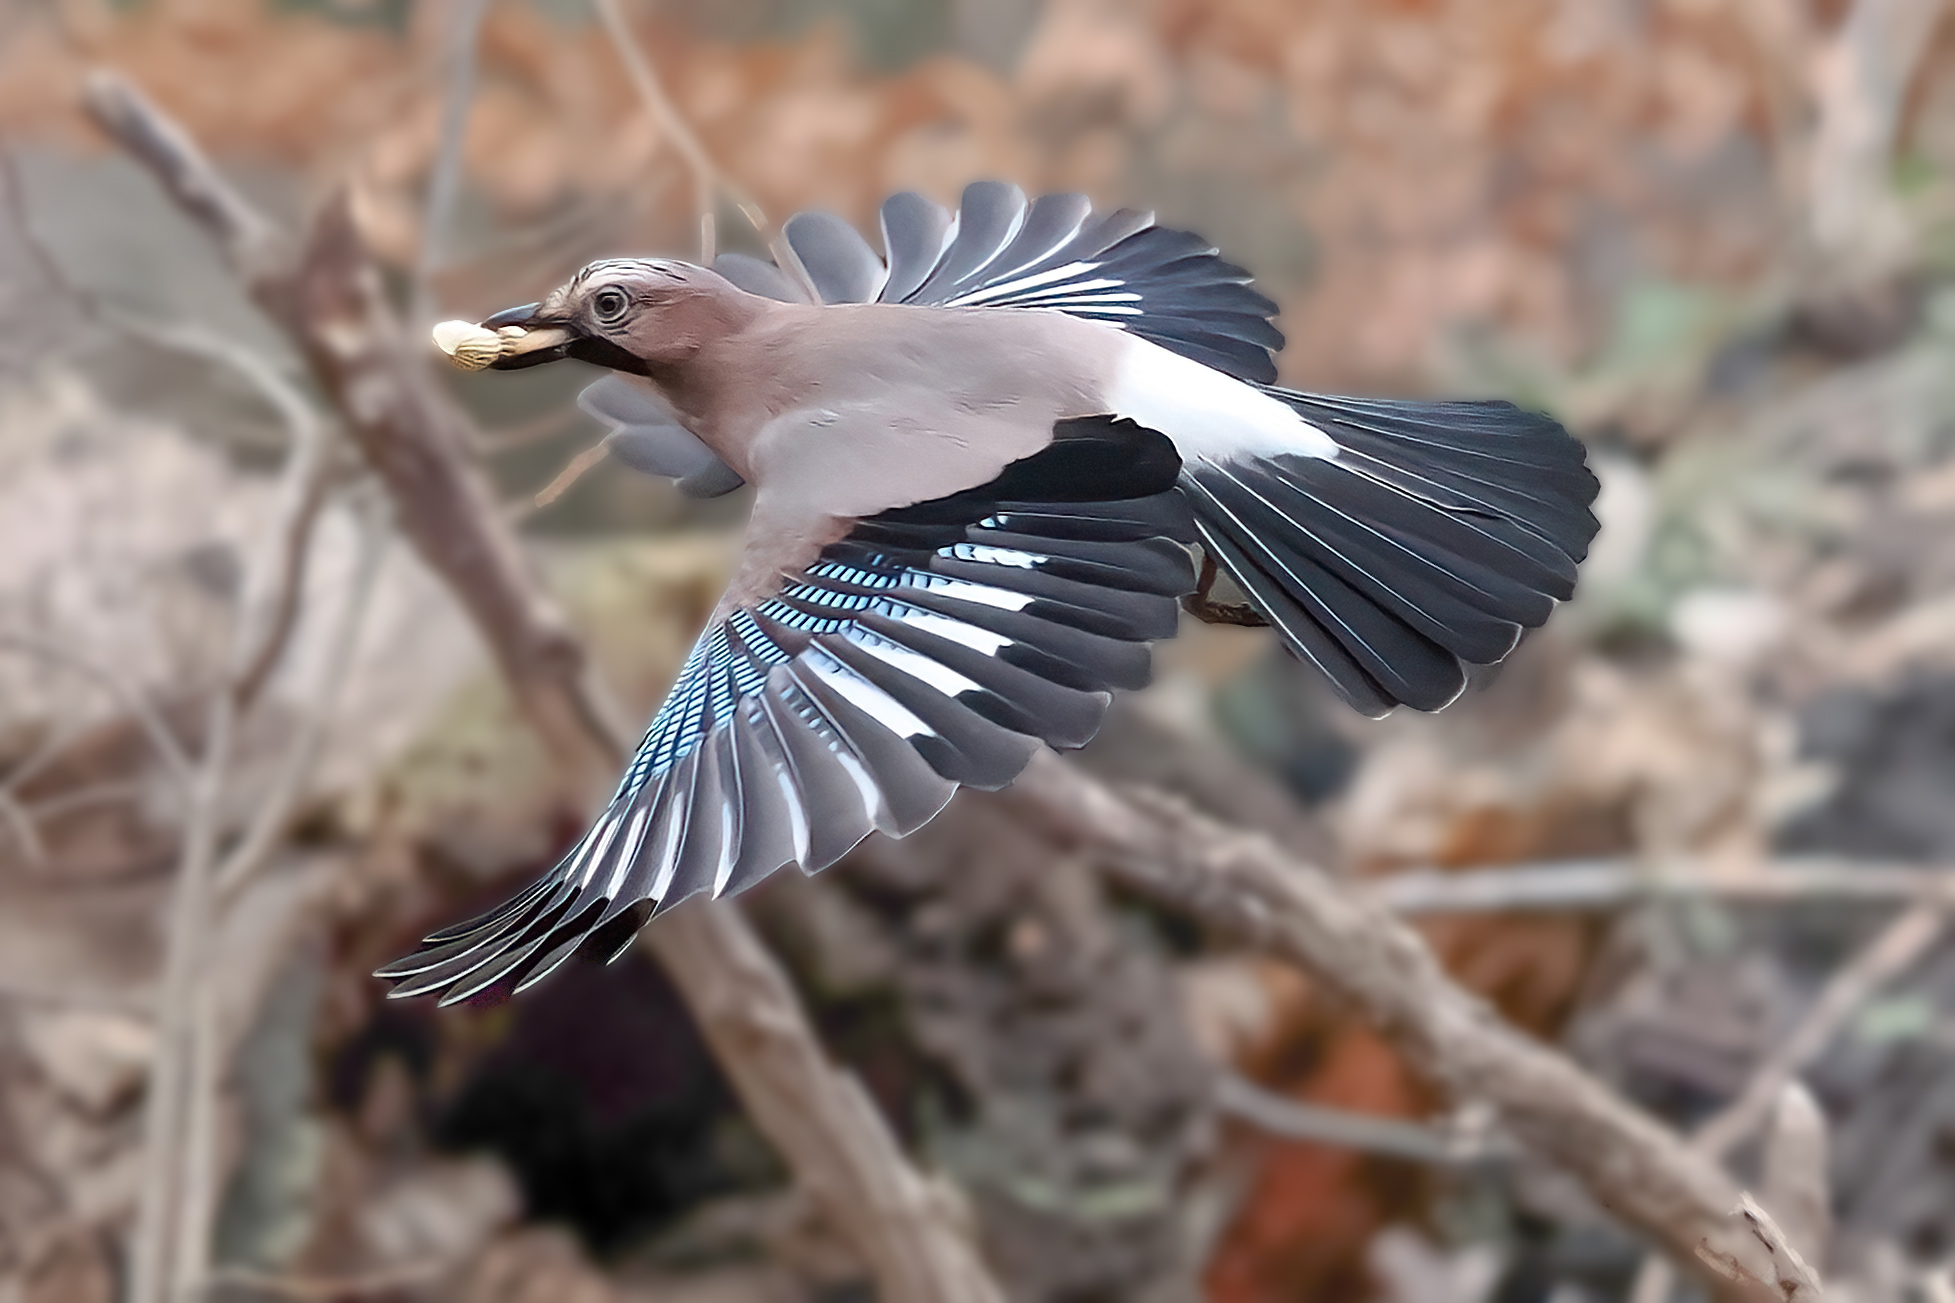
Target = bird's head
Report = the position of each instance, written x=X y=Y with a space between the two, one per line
x=642 y=315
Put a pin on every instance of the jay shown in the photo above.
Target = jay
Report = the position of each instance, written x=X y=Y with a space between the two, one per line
x=982 y=468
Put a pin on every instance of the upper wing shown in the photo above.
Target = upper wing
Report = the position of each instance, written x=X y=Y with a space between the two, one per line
x=997 y=251
x=931 y=645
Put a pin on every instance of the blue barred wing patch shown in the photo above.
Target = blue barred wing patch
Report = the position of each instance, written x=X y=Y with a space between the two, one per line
x=936 y=646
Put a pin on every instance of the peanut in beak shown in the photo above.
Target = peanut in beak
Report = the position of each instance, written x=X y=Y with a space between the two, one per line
x=472 y=347
x=469 y=346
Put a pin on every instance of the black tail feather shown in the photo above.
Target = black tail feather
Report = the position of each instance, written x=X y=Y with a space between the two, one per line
x=1438 y=533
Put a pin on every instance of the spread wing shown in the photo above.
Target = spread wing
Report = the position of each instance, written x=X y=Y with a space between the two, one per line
x=927 y=646
x=998 y=251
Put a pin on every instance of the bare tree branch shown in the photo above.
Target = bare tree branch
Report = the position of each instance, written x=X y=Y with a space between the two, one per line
x=152 y=1272
x=247 y=238
x=197 y=1202
x=1243 y=884
x=1897 y=947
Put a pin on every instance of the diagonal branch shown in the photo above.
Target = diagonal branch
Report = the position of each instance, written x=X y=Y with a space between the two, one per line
x=1245 y=885
x=247 y=238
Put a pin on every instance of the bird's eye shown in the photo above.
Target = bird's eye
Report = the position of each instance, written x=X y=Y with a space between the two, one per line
x=610 y=305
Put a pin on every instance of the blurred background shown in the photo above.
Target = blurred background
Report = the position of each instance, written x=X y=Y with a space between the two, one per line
x=1715 y=237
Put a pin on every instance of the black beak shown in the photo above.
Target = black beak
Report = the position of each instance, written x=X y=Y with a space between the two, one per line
x=543 y=341
x=530 y=339
x=512 y=316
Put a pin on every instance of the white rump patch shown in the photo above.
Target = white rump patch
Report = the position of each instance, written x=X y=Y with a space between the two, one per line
x=1209 y=415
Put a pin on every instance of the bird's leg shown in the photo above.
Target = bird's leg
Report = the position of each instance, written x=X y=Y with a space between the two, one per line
x=1209 y=611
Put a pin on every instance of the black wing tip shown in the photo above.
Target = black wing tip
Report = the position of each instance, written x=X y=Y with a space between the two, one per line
x=518 y=962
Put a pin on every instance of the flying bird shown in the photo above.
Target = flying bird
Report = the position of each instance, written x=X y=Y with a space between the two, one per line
x=984 y=464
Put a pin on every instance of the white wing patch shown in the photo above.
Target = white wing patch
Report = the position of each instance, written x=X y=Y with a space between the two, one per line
x=1209 y=415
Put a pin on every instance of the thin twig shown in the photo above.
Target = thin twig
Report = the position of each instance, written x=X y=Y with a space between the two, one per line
x=196 y=1193
x=307 y=485
x=80 y=798
x=293 y=408
x=171 y=1242
x=1755 y=1254
x=248 y=239
x=445 y=179
x=381 y=1280
x=161 y=739
x=1611 y=883
x=197 y=1206
x=708 y=181
x=571 y=473
x=1392 y=1137
x=1900 y=944
x=268 y=611
x=20 y=823
x=13 y=194
x=341 y=642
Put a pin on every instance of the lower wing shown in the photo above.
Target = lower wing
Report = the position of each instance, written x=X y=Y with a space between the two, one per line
x=936 y=645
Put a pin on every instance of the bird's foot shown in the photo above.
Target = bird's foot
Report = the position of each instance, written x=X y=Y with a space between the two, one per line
x=1209 y=611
